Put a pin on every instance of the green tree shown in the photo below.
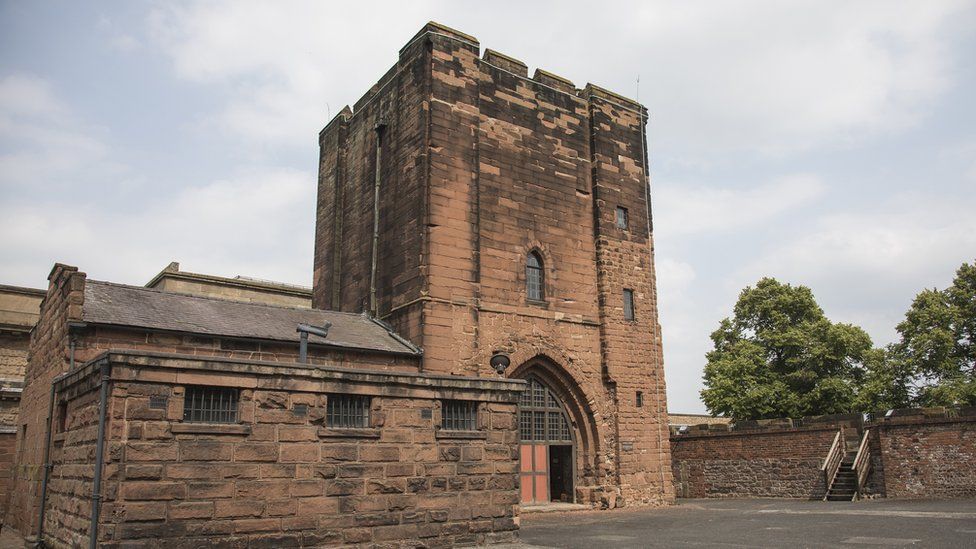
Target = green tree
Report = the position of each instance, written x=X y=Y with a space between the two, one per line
x=938 y=342
x=779 y=356
x=887 y=381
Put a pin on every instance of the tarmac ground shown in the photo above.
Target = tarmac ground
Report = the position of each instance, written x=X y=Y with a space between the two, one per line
x=729 y=523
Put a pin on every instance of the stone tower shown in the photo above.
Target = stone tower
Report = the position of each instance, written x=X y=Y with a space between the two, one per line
x=479 y=210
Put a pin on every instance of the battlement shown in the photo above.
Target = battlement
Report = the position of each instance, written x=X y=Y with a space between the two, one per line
x=490 y=57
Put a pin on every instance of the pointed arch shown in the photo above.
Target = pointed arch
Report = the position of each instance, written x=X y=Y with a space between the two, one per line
x=577 y=406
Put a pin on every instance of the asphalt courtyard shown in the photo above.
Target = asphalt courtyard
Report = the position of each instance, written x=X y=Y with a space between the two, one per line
x=761 y=523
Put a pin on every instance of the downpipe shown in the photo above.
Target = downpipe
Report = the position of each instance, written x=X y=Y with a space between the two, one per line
x=72 y=342
x=106 y=370
x=47 y=464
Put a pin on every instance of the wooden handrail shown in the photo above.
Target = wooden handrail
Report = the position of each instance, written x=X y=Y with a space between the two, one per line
x=862 y=462
x=832 y=462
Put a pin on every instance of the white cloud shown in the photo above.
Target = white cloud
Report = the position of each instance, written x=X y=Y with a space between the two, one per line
x=285 y=68
x=45 y=144
x=248 y=224
x=758 y=75
x=780 y=77
x=866 y=266
x=687 y=210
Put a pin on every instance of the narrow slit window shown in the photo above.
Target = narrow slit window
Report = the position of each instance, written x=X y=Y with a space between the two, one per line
x=534 y=277
x=347 y=411
x=459 y=415
x=210 y=405
x=640 y=399
x=628 y=304
x=622 y=219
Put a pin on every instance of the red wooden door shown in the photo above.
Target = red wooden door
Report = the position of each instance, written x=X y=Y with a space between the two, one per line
x=534 y=472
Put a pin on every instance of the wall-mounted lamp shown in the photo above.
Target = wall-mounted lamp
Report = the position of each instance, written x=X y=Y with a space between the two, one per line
x=500 y=361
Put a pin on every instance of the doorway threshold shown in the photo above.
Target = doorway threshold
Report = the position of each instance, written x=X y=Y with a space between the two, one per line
x=553 y=507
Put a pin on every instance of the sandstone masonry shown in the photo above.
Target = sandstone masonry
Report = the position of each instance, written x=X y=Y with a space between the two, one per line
x=450 y=171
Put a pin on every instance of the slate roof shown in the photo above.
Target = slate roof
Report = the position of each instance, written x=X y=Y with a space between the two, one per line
x=122 y=305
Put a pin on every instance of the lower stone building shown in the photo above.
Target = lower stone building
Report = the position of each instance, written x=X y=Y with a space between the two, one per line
x=181 y=420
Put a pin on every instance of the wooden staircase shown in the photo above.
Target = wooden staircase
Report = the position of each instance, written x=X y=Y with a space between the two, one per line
x=845 y=472
x=844 y=486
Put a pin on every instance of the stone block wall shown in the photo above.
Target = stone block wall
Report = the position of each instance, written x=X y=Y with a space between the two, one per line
x=482 y=164
x=51 y=357
x=8 y=446
x=782 y=463
x=281 y=477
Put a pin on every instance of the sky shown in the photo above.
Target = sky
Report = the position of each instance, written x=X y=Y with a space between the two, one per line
x=827 y=144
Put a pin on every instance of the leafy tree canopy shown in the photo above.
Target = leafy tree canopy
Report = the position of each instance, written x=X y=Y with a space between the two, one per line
x=938 y=342
x=779 y=356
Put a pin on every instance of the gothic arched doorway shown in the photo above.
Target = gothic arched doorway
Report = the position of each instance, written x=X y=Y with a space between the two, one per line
x=546 y=446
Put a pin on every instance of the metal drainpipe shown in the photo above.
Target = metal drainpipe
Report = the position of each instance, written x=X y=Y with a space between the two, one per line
x=47 y=466
x=376 y=217
x=47 y=445
x=96 y=497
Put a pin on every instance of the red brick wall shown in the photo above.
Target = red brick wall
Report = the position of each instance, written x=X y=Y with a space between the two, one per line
x=783 y=463
x=929 y=459
x=912 y=456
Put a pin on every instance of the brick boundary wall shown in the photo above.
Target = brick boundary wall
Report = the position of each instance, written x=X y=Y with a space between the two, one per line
x=929 y=458
x=916 y=454
x=782 y=463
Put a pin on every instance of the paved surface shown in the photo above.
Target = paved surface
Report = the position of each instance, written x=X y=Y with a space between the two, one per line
x=761 y=523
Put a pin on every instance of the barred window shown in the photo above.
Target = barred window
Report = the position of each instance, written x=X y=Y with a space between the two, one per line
x=459 y=415
x=347 y=411
x=534 y=277
x=210 y=405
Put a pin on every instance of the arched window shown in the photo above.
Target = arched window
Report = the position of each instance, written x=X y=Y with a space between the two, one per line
x=534 y=277
x=542 y=417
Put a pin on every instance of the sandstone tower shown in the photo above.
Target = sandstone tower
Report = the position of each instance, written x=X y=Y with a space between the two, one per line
x=478 y=211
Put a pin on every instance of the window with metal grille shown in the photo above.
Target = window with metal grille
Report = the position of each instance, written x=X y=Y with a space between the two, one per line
x=459 y=415
x=542 y=417
x=534 y=277
x=628 y=304
x=210 y=405
x=347 y=411
x=622 y=219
